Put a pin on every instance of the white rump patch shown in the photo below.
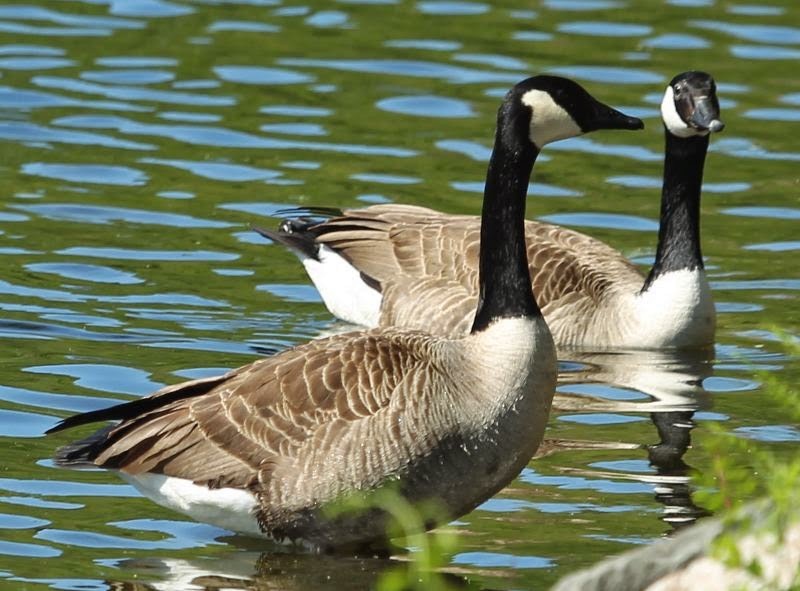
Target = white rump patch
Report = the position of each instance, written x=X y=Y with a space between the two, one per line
x=229 y=508
x=669 y=114
x=343 y=289
x=549 y=121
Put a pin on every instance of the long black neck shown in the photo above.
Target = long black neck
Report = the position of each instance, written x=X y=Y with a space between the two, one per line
x=504 y=278
x=679 y=232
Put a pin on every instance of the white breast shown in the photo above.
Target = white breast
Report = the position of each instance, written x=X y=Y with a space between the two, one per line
x=677 y=310
x=513 y=356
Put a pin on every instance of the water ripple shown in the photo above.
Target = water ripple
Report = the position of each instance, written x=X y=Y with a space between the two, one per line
x=34 y=63
x=304 y=129
x=27 y=550
x=295 y=111
x=770 y=433
x=87 y=173
x=21 y=29
x=764 y=52
x=415 y=69
x=29 y=132
x=49 y=401
x=260 y=75
x=148 y=8
x=495 y=61
x=676 y=41
x=609 y=74
x=744 y=148
x=37 y=13
x=42 y=50
x=452 y=7
x=386 y=179
x=124 y=61
x=133 y=93
x=537 y=189
x=102 y=377
x=756 y=10
x=772 y=114
x=759 y=33
x=244 y=26
x=604 y=29
x=778 y=213
x=495 y=560
x=84 y=272
x=472 y=150
x=24 y=424
x=424 y=44
x=427 y=106
x=18 y=98
x=222 y=137
x=590 y=146
x=218 y=171
x=126 y=254
x=185 y=535
x=328 y=19
x=128 y=76
x=96 y=214
x=580 y=5
x=775 y=246
x=602 y=220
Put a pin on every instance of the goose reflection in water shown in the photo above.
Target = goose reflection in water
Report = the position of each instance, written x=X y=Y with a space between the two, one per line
x=267 y=571
x=666 y=384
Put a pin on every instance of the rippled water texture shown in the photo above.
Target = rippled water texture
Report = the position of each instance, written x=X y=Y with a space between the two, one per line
x=140 y=140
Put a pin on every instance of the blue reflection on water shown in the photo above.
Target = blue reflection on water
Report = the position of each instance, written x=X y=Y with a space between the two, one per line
x=605 y=29
x=426 y=106
x=759 y=33
x=494 y=559
x=87 y=173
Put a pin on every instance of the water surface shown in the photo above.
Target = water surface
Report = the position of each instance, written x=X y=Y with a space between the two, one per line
x=140 y=140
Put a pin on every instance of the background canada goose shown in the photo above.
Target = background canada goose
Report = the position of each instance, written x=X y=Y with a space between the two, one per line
x=267 y=447
x=401 y=265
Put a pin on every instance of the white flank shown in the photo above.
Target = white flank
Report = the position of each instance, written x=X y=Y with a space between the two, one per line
x=677 y=310
x=549 y=122
x=344 y=291
x=228 y=508
x=672 y=119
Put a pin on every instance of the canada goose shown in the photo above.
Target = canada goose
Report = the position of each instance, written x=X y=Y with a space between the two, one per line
x=266 y=448
x=401 y=265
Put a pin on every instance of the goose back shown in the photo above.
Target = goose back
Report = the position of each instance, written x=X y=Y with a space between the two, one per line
x=425 y=264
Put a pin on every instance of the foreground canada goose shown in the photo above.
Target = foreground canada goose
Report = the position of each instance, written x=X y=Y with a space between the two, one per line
x=265 y=449
x=401 y=265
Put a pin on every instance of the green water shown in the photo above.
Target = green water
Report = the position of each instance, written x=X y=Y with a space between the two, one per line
x=140 y=140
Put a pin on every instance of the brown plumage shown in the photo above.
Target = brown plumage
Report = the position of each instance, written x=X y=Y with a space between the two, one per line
x=426 y=264
x=336 y=416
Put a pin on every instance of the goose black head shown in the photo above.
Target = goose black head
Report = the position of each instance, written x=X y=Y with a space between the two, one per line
x=552 y=108
x=690 y=106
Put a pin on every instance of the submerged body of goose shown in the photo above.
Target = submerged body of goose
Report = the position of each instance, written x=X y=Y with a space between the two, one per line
x=267 y=448
x=401 y=265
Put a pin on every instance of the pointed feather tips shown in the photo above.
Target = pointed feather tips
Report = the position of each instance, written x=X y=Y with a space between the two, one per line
x=81 y=453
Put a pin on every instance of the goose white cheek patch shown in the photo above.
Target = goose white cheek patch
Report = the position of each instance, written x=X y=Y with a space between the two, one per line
x=549 y=121
x=672 y=119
